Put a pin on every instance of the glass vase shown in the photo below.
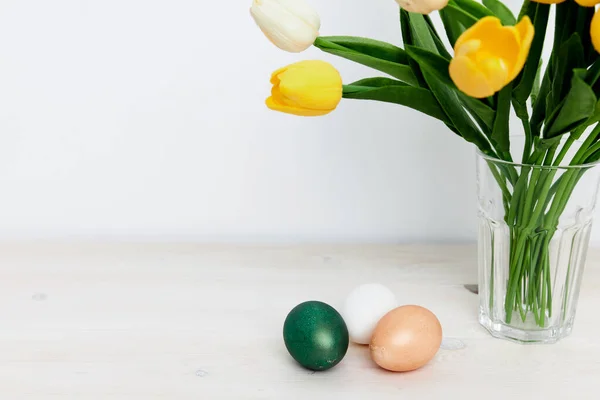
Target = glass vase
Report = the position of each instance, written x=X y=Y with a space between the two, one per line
x=534 y=231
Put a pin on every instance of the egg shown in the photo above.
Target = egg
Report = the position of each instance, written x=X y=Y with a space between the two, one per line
x=364 y=307
x=406 y=339
x=315 y=335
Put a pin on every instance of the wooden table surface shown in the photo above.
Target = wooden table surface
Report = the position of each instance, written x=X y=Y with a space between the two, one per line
x=187 y=321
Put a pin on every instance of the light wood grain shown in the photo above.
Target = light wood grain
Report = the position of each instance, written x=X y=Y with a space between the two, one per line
x=184 y=321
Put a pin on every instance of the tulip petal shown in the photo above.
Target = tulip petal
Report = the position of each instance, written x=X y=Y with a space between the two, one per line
x=279 y=98
x=275 y=75
x=302 y=10
x=503 y=41
x=472 y=32
x=287 y=28
x=595 y=31
x=306 y=88
x=495 y=71
x=422 y=7
x=469 y=79
x=468 y=47
x=312 y=84
x=276 y=106
x=549 y=1
x=588 y=3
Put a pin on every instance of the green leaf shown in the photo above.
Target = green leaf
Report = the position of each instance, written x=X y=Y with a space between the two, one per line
x=501 y=11
x=452 y=27
x=566 y=18
x=579 y=105
x=524 y=8
x=407 y=38
x=474 y=8
x=535 y=90
x=501 y=131
x=377 y=82
x=593 y=73
x=449 y=102
x=420 y=32
x=441 y=48
x=525 y=81
x=593 y=157
x=459 y=15
x=570 y=57
x=484 y=113
x=540 y=106
x=398 y=71
x=550 y=108
x=445 y=94
x=373 y=48
x=416 y=98
x=596 y=116
x=453 y=129
x=592 y=54
x=432 y=62
x=437 y=66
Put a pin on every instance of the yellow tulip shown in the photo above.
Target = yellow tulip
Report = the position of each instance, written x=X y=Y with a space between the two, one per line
x=595 y=31
x=306 y=88
x=488 y=56
x=549 y=1
x=587 y=3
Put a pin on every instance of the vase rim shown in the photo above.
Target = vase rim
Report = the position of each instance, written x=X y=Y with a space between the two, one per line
x=496 y=160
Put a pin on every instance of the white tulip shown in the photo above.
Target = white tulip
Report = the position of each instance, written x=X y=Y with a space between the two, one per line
x=422 y=6
x=292 y=25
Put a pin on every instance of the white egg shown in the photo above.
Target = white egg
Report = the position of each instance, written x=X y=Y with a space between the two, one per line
x=363 y=309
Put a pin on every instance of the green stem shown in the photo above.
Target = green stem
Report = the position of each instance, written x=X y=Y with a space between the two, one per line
x=528 y=138
x=548 y=277
x=591 y=150
x=538 y=176
x=563 y=152
x=514 y=275
x=569 y=179
x=523 y=215
x=500 y=179
x=563 y=192
x=544 y=295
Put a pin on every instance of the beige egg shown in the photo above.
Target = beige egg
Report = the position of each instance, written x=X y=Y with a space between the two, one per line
x=406 y=338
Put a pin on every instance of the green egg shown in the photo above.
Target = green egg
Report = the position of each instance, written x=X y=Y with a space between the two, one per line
x=316 y=335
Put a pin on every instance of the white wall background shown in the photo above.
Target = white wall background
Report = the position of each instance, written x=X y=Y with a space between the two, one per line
x=145 y=119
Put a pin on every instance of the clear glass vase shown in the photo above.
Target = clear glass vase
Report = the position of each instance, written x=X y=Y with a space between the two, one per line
x=534 y=231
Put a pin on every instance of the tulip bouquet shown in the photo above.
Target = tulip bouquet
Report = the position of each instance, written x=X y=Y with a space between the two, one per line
x=489 y=62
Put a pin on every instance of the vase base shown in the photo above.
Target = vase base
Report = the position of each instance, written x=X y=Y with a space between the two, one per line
x=522 y=335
